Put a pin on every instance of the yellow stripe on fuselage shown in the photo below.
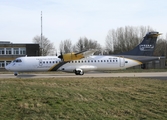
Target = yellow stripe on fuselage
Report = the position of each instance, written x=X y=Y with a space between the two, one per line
x=135 y=61
x=53 y=66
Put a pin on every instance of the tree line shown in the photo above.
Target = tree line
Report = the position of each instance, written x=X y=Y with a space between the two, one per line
x=117 y=41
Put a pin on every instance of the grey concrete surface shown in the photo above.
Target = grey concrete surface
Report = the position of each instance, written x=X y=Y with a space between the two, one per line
x=156 y=75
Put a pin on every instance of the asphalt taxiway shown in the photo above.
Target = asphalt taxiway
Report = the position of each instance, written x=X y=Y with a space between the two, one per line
x=156 y=75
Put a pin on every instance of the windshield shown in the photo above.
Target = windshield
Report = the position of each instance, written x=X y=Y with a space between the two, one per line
x=17 y=60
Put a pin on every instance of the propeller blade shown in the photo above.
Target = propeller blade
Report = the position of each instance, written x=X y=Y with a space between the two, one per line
x=61 y=55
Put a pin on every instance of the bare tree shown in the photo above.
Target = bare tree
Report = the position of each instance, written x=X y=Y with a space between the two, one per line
x=166 y=47
x=110 y=40
x=65 y=46
x=85 y=44
x=47 y=48
x=160 y=49
x=82 y=44
x=125 y=39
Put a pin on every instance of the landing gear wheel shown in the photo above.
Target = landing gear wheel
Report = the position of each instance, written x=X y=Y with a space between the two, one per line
x=15 y=74
x=81 y=73
x=78 y=72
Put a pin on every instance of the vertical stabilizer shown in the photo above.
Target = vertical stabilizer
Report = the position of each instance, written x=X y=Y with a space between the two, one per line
x=146 y=47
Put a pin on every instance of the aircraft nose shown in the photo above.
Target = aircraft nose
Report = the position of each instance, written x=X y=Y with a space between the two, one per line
x=7 y=67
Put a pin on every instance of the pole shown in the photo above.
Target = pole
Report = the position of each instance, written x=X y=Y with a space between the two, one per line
x=41 y=36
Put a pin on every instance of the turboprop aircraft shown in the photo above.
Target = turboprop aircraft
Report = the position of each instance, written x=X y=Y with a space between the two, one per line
x=81 y=62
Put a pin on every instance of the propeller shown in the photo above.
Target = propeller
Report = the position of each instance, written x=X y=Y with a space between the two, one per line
x=61 y=56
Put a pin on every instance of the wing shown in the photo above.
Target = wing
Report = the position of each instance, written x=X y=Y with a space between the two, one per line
x=79 y=55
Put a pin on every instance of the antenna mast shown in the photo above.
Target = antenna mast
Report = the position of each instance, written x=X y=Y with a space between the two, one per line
x=41 y=36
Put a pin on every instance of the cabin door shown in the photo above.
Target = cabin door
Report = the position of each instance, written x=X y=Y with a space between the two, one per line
x=122 y=62
x=40 y=63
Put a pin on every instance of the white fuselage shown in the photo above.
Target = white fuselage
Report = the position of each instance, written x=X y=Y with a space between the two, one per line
x=24 y=64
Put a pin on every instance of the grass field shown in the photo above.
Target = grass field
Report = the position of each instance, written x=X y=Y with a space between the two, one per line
x=83 y=98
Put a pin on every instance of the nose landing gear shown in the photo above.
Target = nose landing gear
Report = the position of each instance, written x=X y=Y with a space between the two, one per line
x=15 y=73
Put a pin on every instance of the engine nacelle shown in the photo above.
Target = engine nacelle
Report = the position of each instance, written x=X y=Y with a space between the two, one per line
x=78 y=71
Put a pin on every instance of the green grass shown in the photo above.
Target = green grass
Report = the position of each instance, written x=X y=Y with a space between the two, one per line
x=83 y=98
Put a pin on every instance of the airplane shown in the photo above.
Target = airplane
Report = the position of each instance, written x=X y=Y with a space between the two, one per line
x=84 y=61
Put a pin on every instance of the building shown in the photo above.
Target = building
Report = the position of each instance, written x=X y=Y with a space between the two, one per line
x=9 y=51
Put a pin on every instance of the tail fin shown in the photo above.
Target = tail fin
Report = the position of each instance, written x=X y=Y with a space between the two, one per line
x=146 y=47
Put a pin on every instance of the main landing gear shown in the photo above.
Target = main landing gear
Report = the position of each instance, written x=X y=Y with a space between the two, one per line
x=79 y=72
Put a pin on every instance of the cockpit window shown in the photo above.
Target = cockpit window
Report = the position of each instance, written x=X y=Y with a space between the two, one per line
x=17 y=60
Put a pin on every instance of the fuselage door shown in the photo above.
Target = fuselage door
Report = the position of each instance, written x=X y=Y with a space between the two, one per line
x=40 y=63
x=122 y=61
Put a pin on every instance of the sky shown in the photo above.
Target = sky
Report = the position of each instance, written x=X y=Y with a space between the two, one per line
x=20 y=20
